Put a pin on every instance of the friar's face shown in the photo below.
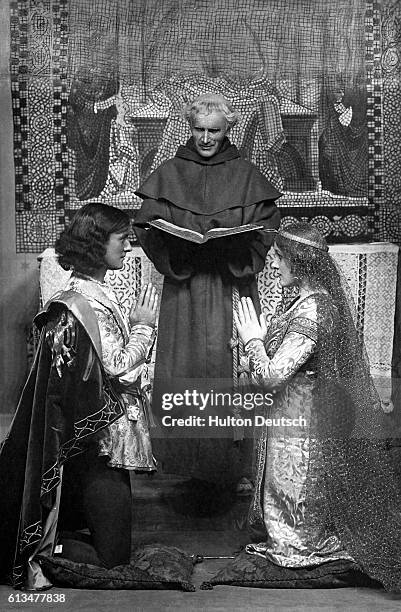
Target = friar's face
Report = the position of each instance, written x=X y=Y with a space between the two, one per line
x=208 y=132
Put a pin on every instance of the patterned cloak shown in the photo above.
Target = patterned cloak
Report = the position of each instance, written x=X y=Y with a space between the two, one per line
x=67 y=399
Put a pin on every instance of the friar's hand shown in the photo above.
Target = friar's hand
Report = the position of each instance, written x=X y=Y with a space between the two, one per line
x=249 y=325
x=144 y=311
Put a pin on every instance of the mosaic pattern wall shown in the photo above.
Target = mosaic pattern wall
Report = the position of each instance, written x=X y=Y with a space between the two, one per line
x=389 y=211
x=98 y=87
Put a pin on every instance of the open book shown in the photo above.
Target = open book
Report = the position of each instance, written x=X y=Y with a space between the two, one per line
x=192 y=236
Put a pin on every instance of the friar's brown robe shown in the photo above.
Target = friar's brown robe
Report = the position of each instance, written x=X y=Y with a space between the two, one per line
x=196 y=320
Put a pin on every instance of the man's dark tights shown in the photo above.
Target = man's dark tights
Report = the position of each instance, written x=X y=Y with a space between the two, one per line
x=104 y=496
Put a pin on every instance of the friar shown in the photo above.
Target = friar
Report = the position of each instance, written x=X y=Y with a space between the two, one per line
x=207 y=221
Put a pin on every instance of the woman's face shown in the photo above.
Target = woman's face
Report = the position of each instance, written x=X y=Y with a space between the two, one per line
x=117 y=247
x=208 y=132
x=282 y=265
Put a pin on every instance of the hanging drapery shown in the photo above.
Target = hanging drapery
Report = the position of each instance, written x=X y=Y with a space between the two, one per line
x=98 y=87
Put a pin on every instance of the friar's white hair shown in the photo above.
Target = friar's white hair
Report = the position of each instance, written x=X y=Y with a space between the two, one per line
x=208 y=103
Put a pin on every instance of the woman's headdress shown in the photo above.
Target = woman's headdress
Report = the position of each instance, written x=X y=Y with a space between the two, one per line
x=313 y=243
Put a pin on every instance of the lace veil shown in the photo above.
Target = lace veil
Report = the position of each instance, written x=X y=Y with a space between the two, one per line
x=351 y=487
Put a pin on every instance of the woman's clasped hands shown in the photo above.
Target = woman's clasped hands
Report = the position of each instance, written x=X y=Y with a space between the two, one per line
x=249 y=325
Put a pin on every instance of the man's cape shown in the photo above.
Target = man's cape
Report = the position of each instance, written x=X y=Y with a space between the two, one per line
x=66 y=400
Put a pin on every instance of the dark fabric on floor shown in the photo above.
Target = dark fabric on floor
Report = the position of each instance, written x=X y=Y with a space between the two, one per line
x=255 y=571
x=151 y=567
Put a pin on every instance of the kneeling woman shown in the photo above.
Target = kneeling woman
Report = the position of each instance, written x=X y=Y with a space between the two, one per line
x=324 y=490
x=82 y=421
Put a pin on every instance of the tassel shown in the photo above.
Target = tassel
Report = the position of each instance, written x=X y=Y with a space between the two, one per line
x=147 y=407
x=206 y=586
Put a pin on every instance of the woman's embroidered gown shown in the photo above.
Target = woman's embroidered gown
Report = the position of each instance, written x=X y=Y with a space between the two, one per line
x=284 y=364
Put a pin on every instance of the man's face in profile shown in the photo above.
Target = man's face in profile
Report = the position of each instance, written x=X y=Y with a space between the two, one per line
x=208 y=132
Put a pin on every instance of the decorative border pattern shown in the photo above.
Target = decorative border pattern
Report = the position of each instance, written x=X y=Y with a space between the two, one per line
x=390 y=211
x=352 y=224
x=361 y=301
x=61 y=93
x=374 y=112
x=35 y=51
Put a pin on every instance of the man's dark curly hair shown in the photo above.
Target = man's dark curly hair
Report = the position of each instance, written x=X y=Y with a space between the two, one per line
x=82 y=245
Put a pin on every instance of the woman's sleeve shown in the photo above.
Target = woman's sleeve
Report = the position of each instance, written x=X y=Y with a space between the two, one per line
x=125 y=362
x=294 y=352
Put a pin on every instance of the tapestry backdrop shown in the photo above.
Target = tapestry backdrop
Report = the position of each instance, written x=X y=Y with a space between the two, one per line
x=98 y=88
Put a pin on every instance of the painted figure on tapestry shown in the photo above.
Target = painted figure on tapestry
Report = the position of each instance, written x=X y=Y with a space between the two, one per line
x=90 y=133
x=325 y=487
x=343 y=143
x=206 y=222
x=83 y=419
